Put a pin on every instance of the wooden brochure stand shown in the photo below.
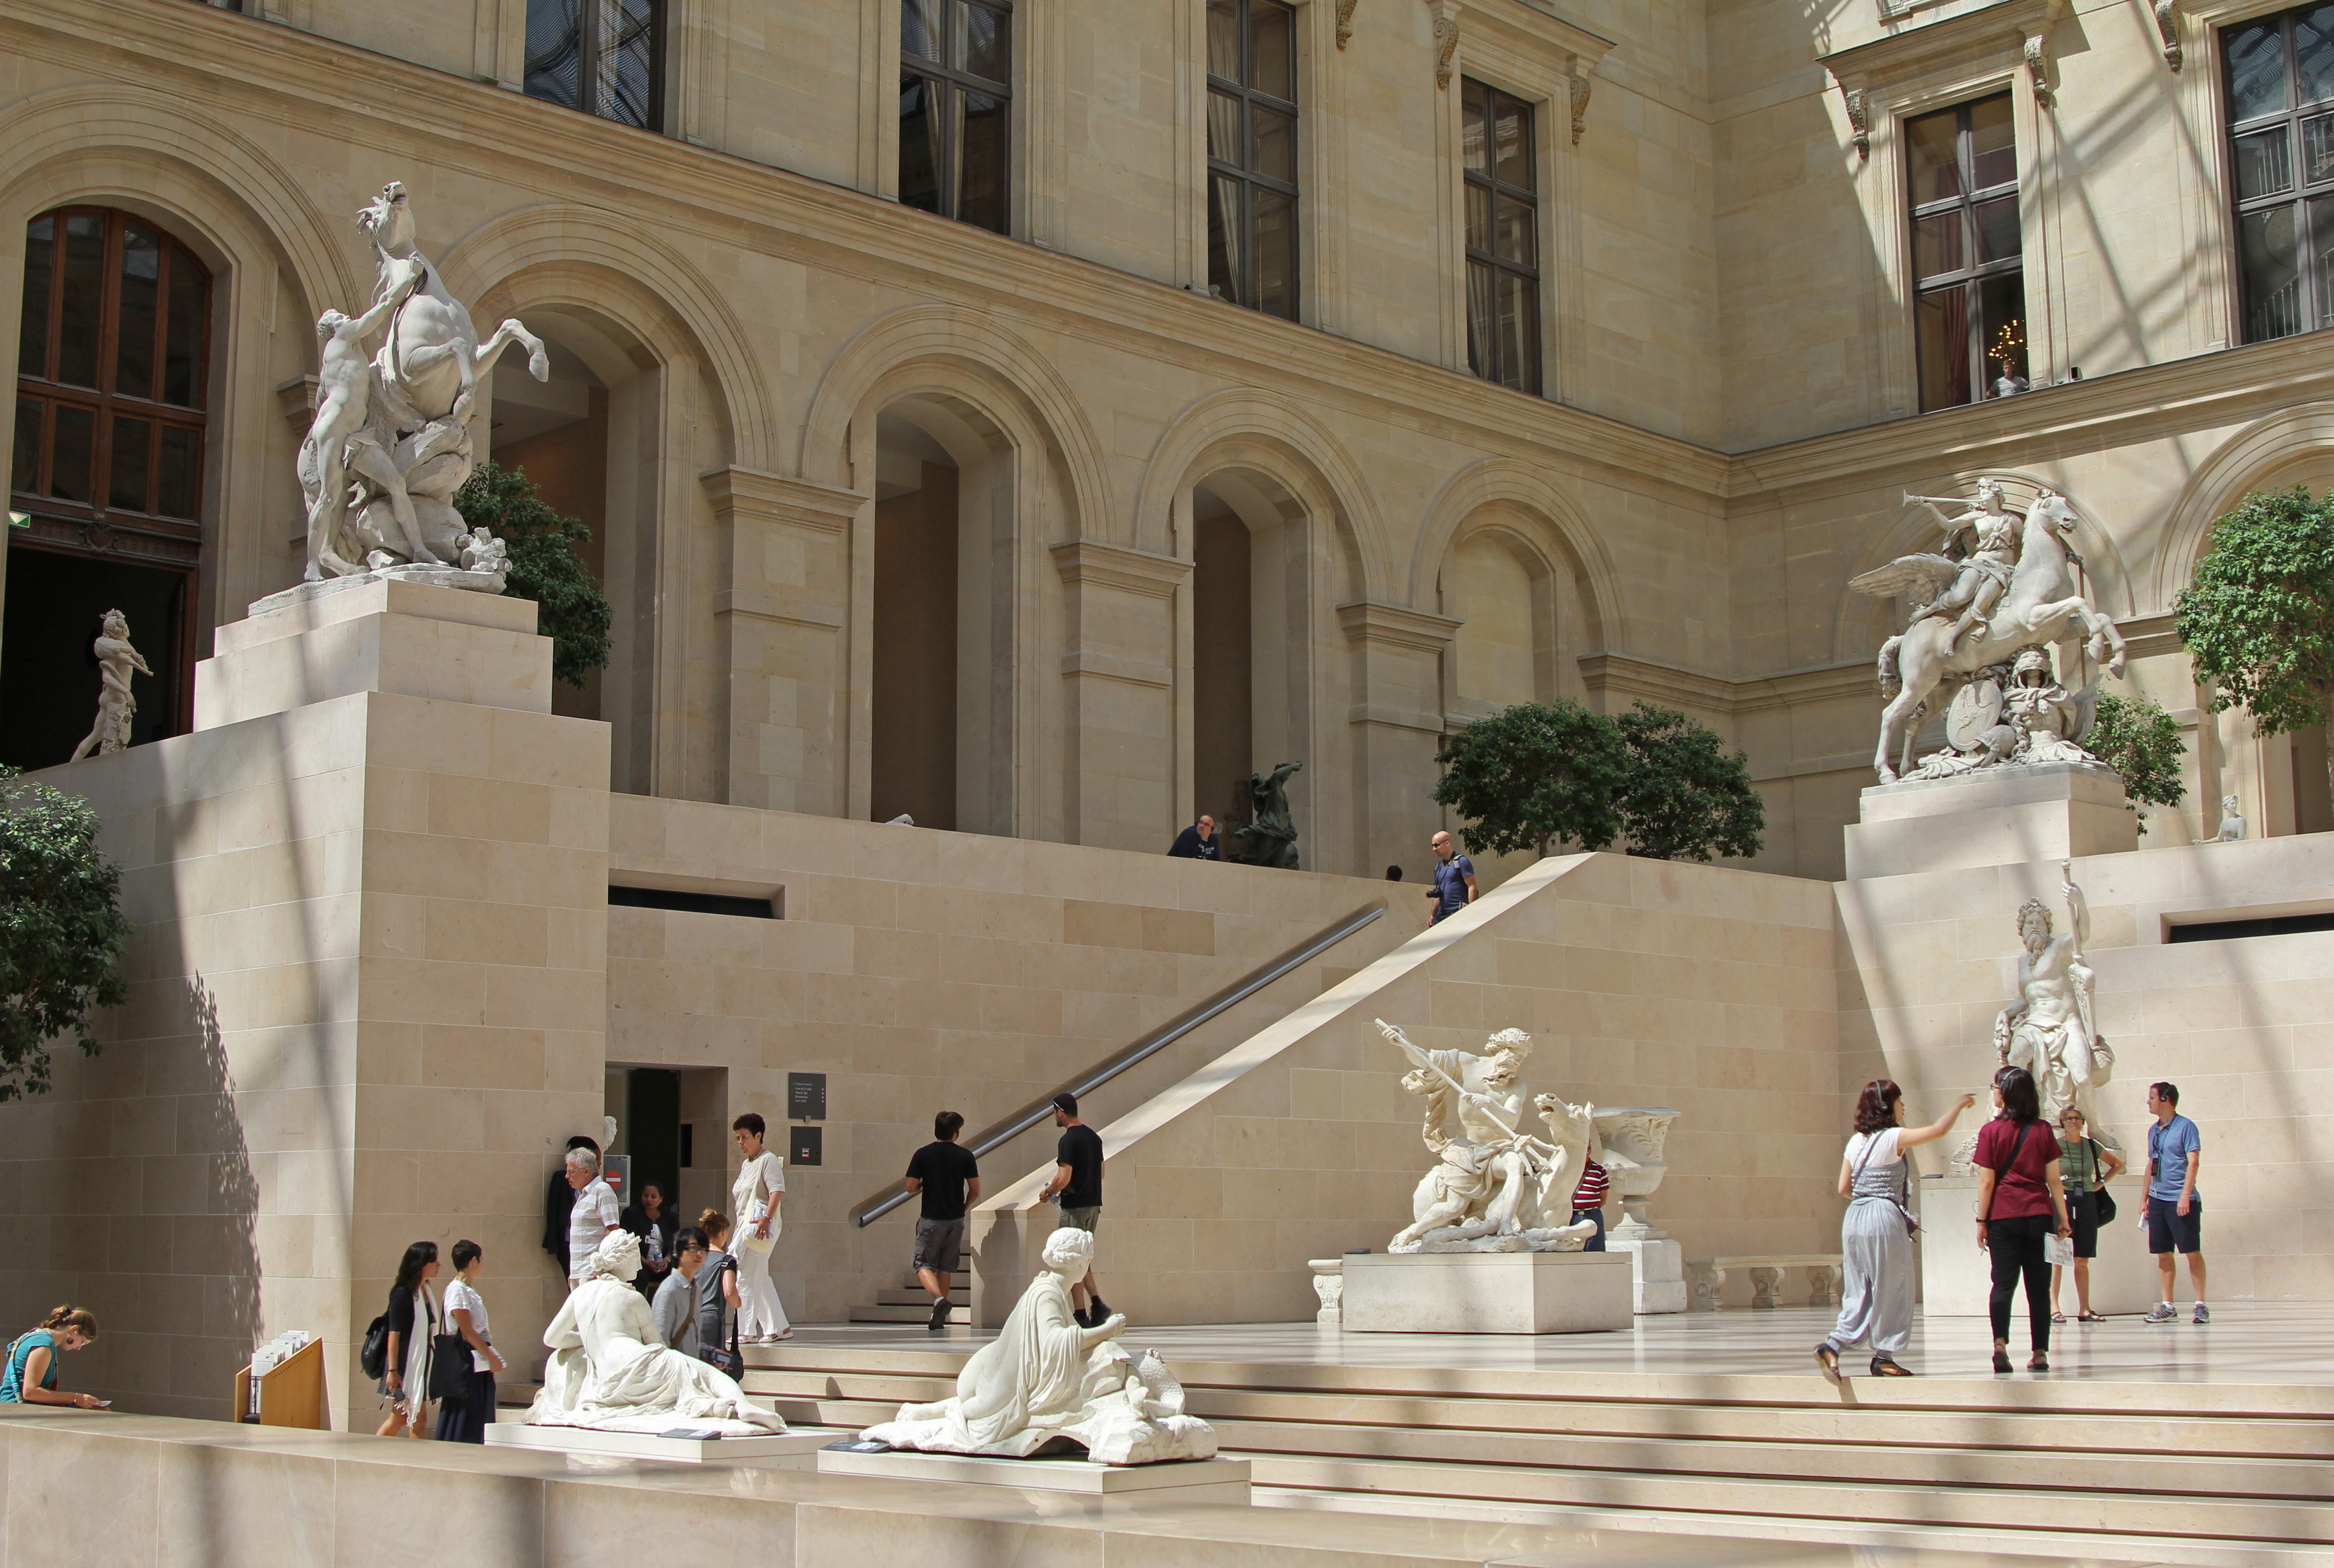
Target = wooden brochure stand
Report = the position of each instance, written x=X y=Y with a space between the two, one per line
x=291 y=1393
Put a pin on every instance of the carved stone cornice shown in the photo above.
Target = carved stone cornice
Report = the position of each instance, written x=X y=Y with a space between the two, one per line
x=758 y=497
x=2019 y=29
x=1368 y=622
x=1522 y=31
x=1082 y=562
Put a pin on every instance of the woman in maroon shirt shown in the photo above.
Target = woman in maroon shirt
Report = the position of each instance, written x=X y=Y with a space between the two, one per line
x=2019 y=1202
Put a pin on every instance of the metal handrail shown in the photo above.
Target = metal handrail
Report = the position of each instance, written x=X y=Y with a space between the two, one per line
x=1004 y=1132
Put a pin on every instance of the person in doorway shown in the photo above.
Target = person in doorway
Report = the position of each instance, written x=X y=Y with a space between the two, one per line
x=655 y=1224
x=2175 y=1208
x=595 y=1213
x=946 y=1177
x=559 y=1207
x=718 y=1300
x=1197 y=842
x=412 y=1324
x=1077 y=1186
x=1876 y=1235
x=760 y=1188
x=2020 y=1199
x=2085 y=1165
x=675 y=1306
x=1454 y=881
x=30 y=1378
x=465 y=1420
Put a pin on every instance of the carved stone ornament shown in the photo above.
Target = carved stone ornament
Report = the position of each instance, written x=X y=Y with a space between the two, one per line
x=1578 y=84
x=2038 y=66
x=2167 y=23
x=1346 y=22
x=1446 y=39
x=1859 y=120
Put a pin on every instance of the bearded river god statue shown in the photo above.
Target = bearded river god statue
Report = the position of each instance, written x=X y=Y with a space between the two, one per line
x=1985 y=616
x=2050 y=1030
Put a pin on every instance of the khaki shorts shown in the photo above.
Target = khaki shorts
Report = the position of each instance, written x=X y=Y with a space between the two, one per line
x=1083 y=1219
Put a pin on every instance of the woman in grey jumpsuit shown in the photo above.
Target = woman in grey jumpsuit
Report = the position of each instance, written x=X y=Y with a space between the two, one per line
x=1875 y=1238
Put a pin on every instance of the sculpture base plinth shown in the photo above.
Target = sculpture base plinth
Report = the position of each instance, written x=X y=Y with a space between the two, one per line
x=1224 y=1481
x=1997 y=816
x=1488 y=1293
x=794 y=1450
x=1658 y=1283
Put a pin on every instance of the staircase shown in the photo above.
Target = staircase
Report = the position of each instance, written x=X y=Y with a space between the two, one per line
x=912 y=1303
x=2216 y=1474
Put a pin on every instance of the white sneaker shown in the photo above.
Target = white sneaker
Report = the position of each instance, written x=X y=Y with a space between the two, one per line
x=2163 y=1314
x=2203 y=1315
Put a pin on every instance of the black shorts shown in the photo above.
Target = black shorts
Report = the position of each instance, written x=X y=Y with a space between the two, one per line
x=2170 y=1231
x=2083 y=1214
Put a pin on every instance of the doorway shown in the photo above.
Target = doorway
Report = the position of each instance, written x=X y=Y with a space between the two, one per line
x=56 y=602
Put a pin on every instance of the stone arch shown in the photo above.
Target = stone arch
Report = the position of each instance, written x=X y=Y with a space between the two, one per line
x=1238 y=428
x=945 y=348
x=2238 y=465
x=574 y=247
x=1502 y=491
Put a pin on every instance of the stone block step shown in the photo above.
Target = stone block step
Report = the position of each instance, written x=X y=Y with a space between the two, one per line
x=916 y=1296
x=919 y=1312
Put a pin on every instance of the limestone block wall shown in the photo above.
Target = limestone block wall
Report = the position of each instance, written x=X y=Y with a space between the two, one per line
x=923 y=970
x=1707 y=990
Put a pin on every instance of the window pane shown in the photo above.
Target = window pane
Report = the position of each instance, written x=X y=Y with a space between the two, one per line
x=1275 y=143
x=1227 y=241
x=2318 y=149
x=84 y=289
x=2267 y=256
x=626 y=85
x=2321 y=256
x=1480 y=323
x=2002 y=302
x=2313 y=52
x=40 y=264
x=141 y=279
x=980 y=180
x=1937 y=245
x=1518 y=241
x=988 y=44
x=182 y=352
x=1993 y=144
x=1223 y=129
x=1276 y=253
x=920 y=28
x=70 y=454
x=1941 y=322
x=1512 y=141
x=1478 y=219
x=2262 y=166
x=1934 y=141
x=1272 y=49
x=555 y=51
x=1223 y=38
x=127 y=490
x=1473 y=122
x=1518 y=332
x=919 y=152
x=175 y=495
x=24 y=466
x=1996 y=229
x=2256 y=70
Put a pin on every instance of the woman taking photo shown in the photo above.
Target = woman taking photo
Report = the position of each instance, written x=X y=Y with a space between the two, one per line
x=412 y=1320
x=2019 y=1202
x=30 y=1378
x=2086 y=1165
x=1876 y=1236
x=465 y=1420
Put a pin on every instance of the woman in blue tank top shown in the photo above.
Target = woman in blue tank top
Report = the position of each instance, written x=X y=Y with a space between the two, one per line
x=31 y=1374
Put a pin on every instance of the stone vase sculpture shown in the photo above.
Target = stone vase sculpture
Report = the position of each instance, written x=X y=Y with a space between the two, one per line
x=1633 y=1142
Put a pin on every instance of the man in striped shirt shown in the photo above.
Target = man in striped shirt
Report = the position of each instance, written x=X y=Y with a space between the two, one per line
x=1588 y=1200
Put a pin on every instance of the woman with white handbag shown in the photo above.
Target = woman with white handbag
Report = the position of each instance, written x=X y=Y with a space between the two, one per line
x=760 y=1188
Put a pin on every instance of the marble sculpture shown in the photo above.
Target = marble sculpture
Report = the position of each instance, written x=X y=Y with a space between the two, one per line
x=115 y=706
x=1046 y=1385
x=1987 y=610
x=390 y=441
x=1270 y=839
x=2049 y=1030
x=610 y=1371
x=1494 y=1187
x=2232 y=822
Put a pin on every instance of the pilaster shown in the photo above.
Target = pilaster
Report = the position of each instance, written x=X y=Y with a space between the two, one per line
x=1118 y=665
x=1395 y=722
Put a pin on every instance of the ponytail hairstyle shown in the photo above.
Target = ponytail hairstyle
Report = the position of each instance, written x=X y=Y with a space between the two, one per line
x=80 y=1320
x=714 y=1225
x=1875 y=1107
x=418 y=1256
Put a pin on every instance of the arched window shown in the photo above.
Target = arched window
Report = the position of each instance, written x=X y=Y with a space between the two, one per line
x=111 y=375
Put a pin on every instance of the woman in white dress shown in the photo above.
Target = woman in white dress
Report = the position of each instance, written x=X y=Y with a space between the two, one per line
x=760 y=1188
x=1876 y=1236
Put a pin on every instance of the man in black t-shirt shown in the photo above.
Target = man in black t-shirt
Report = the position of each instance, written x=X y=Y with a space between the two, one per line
x=947 y=1177
x=1077 y=1185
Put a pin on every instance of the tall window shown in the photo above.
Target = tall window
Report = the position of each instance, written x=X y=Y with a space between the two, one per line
x=1252 y=154
x=1968 y=257
x=956 y=109
x=604 y=57
x=1503 y=238
x=2282 y=156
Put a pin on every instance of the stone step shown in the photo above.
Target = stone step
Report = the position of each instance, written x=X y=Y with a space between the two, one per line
x=916 y=1296
x=915 y=1312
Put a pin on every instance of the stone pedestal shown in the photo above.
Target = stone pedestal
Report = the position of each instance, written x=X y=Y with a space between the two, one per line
x=2002 y=817
x=1658 y=1271
x=1489 y=1293
x=795 y=1450
x=1218 y=1481
x=1956 y=1276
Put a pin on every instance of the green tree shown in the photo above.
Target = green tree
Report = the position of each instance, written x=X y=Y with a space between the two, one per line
x=1537 y=774
x=2259 y=618
x=1686 y=796
x=2136 y=738
x=61 y=930
x=570 y=608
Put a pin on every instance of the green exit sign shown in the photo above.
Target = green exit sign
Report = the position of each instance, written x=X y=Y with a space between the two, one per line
x=20 y=519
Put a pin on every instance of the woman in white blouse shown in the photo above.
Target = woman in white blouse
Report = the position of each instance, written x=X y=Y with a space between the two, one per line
x=760 y=1188
x=1876 y=1235
x=465 y=1420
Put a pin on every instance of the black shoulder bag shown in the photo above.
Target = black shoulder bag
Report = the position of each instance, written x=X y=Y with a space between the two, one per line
x=2106 y=1200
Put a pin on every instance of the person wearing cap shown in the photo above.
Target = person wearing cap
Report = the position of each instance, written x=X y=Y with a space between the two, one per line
x=1077 y=1186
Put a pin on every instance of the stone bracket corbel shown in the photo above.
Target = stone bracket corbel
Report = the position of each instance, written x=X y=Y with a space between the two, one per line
x=1345 y=22
x=1577 y=85
x=1859 y=119
x=1446 y=38
x=2037 y=67
x=2167 y=23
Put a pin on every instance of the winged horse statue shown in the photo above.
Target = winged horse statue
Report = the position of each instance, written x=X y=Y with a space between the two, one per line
x=2040 y=606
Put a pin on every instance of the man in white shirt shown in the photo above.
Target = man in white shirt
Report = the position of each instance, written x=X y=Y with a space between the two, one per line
x=593 y=1216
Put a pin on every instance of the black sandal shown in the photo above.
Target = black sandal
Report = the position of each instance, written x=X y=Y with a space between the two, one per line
x=1829 y=1360
x=2039 y=1362
x=1882 y=1367
x=2091 y=1318
x=2000 y=1359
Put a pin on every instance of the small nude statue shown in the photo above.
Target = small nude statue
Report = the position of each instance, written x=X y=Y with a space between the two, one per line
x=116 y=659
x=344 y=376
x=2232 y=822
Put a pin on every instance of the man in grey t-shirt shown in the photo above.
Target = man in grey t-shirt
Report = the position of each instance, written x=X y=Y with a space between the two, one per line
x=675 y=1300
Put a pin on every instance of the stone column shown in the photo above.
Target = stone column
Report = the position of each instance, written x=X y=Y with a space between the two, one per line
x=1397 y=727
x=1118 y=661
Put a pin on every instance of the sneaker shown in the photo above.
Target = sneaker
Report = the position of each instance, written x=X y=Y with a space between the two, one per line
x=2203 y=1313
x=1097 y=1313
x=940 y=1314
x=2162 y=1313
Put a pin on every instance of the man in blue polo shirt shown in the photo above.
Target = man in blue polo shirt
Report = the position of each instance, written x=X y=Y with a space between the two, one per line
x=2176 y=1209
x=1454 y=881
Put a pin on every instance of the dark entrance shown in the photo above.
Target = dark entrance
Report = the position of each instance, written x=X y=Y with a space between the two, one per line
x=652 y=1132
x=55 y=600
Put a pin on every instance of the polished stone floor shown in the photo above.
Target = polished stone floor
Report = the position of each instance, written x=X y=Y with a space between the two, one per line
x=2245 y=1342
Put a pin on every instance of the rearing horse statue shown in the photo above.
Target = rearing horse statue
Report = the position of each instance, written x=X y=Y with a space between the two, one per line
x=2038 y=609
x=432 y=360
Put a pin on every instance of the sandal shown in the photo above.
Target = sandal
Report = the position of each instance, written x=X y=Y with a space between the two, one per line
x=1829 y=1360
x=2039 y=1362
x=2000 y=1359
x=1882 y=1367
x=2058 y=1317
x=2091 y=1318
